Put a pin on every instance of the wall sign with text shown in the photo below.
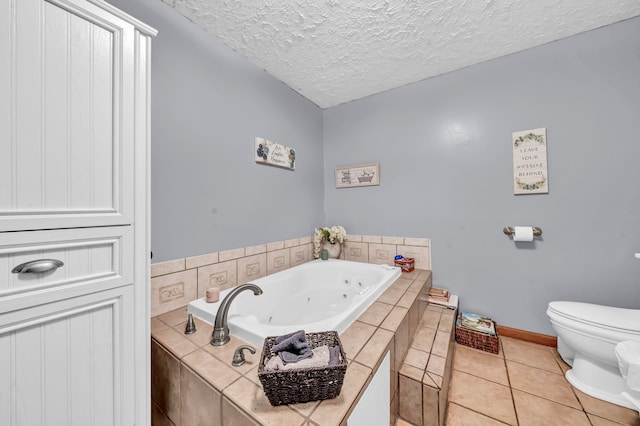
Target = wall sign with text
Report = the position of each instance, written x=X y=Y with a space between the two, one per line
x=274 y=154
x=530 y=162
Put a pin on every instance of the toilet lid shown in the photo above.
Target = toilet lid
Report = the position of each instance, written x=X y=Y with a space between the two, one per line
x=598 y=315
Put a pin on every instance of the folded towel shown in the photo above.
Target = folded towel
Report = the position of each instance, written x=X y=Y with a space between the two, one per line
x=292 y=347
x=293 y=342
x=334 y=355
x=320 y=358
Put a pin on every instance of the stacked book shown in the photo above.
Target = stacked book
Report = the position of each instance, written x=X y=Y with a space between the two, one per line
x=442 y=297
x=474 y=322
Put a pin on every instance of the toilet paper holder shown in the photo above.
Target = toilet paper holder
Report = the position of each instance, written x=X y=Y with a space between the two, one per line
x=508 y=230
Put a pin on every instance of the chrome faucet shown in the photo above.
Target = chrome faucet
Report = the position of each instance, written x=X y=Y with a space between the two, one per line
x=220 y=335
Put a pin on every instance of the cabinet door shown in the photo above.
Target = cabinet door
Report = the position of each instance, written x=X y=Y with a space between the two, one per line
x=66 y=115
x=69 y=362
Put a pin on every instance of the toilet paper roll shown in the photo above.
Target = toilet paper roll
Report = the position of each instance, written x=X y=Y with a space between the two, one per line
x=523 y=233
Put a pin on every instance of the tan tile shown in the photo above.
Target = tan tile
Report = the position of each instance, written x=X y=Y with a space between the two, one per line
x=225 y=354
x=441 y=344
x=158 y=418
x=599 y=421
x=410 y=399
x=202 y=260
x=530 y=354
x=306 y=240
x=402 y=283
x=165 y=381
x=375 y=314
x=276 y=245
x=233 y=415
x=414 y=317
x=277 y=261
x=252 y=400
x=373 y=351
x=541 y=383
x=354 y=338
x=331 y=412
x=436 y=365
x=430 y=405
x=391 y=295
x=433 y=378
x=168 y=267
x=157 y=325
x=394 y=319
x=202 y=336
x=169 y=292
x=407 y=299
x=417 y=358
x=420 y=242
x=458 y=415
x=299 y=255
x=257 y=249
x=483 y=396
x=218 y=374
x=251 y=268
x=224 y=256
x=306 y=408
x=372 y=239
x=423 y=339
x=220 y=275
x=175 y=342
x=382 y=254
x=533 y=410
x=563 y=365
x=431 y=318
x=481 y=364
x=392 y=240
x=199 y=402
x=606 y=410
x=356 y=251
x=175 y=317
x=411 y=372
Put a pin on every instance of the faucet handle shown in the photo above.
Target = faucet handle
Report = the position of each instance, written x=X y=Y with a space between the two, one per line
x=191 y=325
x=238 y=355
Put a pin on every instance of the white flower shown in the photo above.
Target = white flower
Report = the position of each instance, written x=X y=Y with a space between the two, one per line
x=334 y=234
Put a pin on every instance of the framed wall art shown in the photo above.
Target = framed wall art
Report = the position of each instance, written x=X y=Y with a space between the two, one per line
x=358 y=175
x=530 y=162
x=274 y=154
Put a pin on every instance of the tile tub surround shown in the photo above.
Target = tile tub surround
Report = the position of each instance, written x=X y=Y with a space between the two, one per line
x=194 y=382
x=177 y=282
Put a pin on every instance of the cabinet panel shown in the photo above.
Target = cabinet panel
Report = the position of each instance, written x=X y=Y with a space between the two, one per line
x=66 y=104
x=94 y=259
x=68 y=363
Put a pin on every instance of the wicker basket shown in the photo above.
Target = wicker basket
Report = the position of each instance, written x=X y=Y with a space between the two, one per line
x=303 y=384
x=406 y=264
x=477 y=340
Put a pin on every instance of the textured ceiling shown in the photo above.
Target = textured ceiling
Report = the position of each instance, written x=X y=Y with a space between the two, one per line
x=335 y=51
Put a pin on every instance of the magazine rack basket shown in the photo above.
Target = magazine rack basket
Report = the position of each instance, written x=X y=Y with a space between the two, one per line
x=303 y=384
x=477 y=340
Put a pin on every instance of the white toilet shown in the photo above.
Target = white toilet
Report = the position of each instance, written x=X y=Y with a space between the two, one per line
x=628 y=354
x=587 y=338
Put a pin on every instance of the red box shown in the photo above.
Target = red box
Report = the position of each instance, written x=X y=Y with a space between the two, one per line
x=406 y=264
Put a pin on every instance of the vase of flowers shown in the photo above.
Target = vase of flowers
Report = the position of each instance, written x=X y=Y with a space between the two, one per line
x=329 y=239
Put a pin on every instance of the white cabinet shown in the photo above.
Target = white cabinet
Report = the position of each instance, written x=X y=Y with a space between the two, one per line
x=74 y=175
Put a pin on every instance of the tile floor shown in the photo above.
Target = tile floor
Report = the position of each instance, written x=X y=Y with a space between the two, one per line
x=523 y=385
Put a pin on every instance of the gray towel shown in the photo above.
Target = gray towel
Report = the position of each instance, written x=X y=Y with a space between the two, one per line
x=334 y=355
x=292 y=347
x=320 y=358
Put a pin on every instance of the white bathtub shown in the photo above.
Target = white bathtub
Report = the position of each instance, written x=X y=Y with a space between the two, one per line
x=315 y=296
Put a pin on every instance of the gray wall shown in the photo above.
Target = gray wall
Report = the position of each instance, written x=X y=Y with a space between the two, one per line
x=208 y=104
x=458 y=191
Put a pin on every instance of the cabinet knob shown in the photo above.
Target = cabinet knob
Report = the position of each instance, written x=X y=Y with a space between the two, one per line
x=37 y=266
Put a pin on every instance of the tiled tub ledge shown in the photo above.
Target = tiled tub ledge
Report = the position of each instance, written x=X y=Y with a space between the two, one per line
x=194 y=382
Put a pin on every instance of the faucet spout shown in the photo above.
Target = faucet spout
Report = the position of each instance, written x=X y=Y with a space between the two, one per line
x=220 y=335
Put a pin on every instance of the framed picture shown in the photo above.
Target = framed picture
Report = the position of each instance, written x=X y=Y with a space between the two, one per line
x=358 y=175
x=530 y=162
x=274 y=154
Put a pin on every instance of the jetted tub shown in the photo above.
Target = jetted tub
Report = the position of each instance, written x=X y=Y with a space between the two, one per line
x=316 y=296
